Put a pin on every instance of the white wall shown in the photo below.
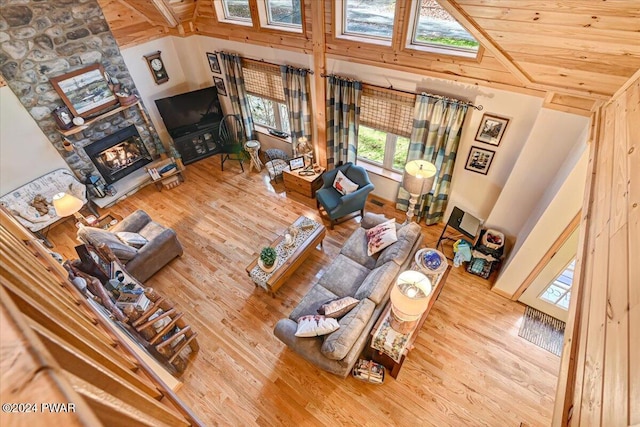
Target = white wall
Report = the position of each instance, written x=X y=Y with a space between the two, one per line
x=564 y=206
x=25 y=152
x=148 y=89
x=552 y=138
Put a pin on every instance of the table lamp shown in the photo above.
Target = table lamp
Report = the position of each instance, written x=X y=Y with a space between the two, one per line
x=67 y=205
x=417 y=180
x=409 y=300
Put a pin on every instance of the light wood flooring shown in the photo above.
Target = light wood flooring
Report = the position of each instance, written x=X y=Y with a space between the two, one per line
x=468 y=367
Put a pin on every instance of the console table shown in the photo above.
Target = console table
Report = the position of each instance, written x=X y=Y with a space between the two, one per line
x=392 y=365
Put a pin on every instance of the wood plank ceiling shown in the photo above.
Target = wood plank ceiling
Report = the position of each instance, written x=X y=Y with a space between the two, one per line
x=573 y=51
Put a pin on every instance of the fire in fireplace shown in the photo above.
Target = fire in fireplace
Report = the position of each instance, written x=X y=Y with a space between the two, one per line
x=119 y=154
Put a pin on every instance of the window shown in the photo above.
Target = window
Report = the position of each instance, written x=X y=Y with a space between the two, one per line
x=284 y=13
x=266 y=95
x=369 y=18
x=386 y=121
x=268 y=113
x=559 y=291
x=234 y=10
x=436 y=29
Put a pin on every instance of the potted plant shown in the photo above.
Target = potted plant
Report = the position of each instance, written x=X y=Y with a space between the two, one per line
x=268 y=257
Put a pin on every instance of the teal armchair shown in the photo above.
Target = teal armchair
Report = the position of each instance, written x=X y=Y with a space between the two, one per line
x=335 y=205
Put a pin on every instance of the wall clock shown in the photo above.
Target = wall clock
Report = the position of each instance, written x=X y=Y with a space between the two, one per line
x=156 y=65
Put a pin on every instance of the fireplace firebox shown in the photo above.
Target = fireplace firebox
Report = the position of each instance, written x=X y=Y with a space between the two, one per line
x=119 y=154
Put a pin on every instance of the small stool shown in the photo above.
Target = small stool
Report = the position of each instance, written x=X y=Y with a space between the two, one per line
x=253 y=147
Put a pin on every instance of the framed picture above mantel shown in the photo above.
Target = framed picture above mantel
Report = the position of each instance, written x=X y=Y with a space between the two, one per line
x=85 y=91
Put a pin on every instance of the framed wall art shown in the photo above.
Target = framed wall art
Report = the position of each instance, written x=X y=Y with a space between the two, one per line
x=220 y=86
x=491 y=129
x=85 y=91
x=213 y=63
x=479 y=160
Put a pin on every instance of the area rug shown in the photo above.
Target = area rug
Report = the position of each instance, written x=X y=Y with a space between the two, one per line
x=542 y=330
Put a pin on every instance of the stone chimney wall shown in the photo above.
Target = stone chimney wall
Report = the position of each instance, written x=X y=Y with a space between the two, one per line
x=44 y=39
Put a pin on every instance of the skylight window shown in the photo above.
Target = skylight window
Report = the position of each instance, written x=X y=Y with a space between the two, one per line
x=369 y=18
x=435 y=29
x=236 y=10
x=284 y=13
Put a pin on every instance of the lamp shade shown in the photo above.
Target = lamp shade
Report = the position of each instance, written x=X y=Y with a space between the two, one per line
x=66 y=204
x=410 y=295
x=418 y=176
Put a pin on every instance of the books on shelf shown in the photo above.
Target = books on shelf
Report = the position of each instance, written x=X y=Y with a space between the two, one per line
x=139 y=301
x=154 y=173
x=368 y=370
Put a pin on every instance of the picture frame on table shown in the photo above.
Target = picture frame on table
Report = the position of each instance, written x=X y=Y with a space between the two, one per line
x=296 y=163
x=491 y=129
x=63 y=117
x=85 y=91
x=479 y=160
x=219 y=82
x=214 y=64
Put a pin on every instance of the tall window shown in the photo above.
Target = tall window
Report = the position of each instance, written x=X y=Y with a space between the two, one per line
x=435 y=28
x=386 y=120
x=266 y=96
x=369 y=18
x=236 y=10
x=558 y=292
x=284 y=13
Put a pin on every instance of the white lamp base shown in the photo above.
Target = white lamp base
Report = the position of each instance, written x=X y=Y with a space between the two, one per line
x=412 y=207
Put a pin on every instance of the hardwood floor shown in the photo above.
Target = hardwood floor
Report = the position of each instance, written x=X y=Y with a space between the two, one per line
x=468 y=367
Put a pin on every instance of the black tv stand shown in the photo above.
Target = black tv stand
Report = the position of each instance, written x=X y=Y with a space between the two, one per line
x=199 y=144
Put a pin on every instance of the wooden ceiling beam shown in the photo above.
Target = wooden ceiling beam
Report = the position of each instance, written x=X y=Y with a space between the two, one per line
x=485 y=40
x=160 y=13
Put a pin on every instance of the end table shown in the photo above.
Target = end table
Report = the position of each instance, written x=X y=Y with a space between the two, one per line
x=253 y=147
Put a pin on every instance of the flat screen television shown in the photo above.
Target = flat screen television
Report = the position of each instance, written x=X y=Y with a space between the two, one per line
x=189 y=112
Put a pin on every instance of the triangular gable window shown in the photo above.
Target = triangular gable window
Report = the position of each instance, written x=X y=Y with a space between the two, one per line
x=434 y=28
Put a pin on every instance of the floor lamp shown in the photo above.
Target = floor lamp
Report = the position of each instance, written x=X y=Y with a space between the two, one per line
x=417 y=180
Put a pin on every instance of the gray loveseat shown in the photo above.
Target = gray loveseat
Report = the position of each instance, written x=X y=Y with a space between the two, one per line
x=162 y=245
x=353 y=273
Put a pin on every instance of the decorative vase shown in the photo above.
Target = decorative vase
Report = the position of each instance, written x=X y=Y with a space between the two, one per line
x=68 y=146
x=268 y=269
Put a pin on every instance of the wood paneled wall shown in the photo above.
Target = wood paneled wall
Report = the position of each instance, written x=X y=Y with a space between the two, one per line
x=574 y=53
x=74 y=354
x=600 y=371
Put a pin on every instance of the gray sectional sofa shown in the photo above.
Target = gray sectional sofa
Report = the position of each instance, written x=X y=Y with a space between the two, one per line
x=353 y=273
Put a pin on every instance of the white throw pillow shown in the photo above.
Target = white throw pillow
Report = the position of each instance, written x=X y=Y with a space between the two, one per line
x=338 y=307
x=344 y=185
x=381 y=236
x=132 y=239
x=316 y=325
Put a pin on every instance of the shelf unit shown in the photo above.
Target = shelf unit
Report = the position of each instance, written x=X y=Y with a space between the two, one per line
x=167 y=179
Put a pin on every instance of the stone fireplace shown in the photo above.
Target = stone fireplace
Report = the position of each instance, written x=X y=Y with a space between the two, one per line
x=119 y=154
x=43 y=39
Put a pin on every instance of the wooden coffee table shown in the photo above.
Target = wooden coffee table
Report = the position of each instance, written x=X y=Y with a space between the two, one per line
x=293 y=256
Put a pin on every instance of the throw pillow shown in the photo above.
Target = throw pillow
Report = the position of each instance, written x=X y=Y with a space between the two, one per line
x=315 y=326
x=338 y=307
x=132 y=239
x=381 y=236
x=344 y=185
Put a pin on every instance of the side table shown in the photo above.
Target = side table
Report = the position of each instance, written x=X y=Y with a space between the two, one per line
x=302 y=184
x=253 y=147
